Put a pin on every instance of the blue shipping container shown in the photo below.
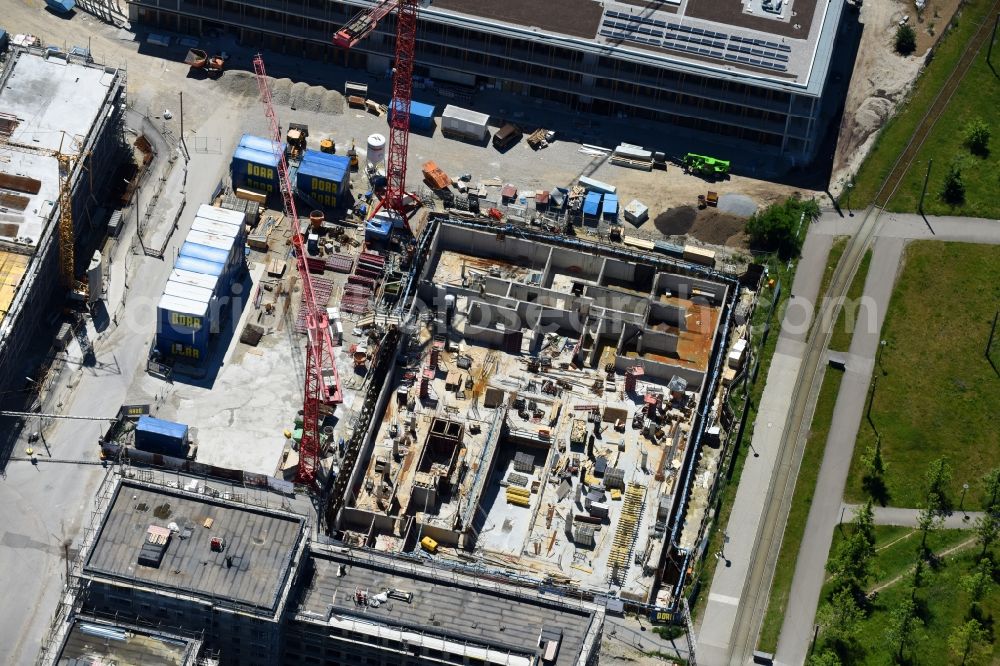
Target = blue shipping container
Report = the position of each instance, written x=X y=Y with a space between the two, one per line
x=254 y=169
x=259 y=143
x=205 y=253
x=3 y=40
x=326 y=184
x=592 y=204
x=184 y=319
x=611 y=206
x=421 y=115
x=160 y=436
x=340 y=161
x=199 y=266
x=61 y=6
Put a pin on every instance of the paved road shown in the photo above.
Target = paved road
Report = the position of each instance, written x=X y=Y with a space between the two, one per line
x=826 y=509
x=49 y=504
x=728 y=583
x=911 y=226
x=890 y=515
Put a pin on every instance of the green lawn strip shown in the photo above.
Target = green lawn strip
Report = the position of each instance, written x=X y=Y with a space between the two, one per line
x=977 y=97
x=897 y=132
x=833 y=258
x=843 y=329
x=943 y=602
x=805 y=487
x=705 y=570
x=939 y=396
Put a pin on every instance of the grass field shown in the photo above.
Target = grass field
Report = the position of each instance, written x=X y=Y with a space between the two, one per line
x=705 y=570
x=939 y=396
x=978 y=95
x=941 y=600
x=805 y=487
x=843 y=329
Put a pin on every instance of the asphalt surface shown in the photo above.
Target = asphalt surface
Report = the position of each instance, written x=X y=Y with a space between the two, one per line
x=729 y=581
x=890 y=515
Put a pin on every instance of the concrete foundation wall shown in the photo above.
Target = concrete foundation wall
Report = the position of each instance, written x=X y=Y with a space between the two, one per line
x=681 y=286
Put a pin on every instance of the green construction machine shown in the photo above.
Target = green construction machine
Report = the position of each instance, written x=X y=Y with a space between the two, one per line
x=708 y=167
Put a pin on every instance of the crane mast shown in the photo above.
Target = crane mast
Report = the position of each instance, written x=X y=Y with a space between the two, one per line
x=359 y=27
x=67 y=239
x=322 y=382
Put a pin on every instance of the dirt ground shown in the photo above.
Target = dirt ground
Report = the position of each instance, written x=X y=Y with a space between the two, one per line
x=882 y=78
x=216 y=112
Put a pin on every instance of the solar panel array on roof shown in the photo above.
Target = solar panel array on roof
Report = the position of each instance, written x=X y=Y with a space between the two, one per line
x=696 y=41
x=636 y=19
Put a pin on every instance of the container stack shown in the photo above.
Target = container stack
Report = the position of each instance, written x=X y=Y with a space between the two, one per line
x=199 y=289
x=324 y=177
x=254 y=166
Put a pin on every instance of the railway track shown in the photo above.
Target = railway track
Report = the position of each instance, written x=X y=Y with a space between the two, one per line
x=756 y=590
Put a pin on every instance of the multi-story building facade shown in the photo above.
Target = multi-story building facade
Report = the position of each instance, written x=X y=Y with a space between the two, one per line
x=750 y=73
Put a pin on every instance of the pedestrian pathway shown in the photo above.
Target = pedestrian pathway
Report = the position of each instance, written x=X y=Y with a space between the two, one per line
x=890 y=515
x=718 y=620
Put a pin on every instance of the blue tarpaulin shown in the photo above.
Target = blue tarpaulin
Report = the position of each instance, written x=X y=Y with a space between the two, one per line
x=592 y=204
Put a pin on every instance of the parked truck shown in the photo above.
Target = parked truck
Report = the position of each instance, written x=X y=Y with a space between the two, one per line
x=459 y=123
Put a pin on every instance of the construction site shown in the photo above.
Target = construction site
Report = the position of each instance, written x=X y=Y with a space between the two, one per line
x=545 y=413
x=332 y=403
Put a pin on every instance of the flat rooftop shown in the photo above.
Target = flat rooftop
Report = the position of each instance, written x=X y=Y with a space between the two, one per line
x=98 y=642
x=252 y=569
x=782 y=42
x=444 y=605
x=55 y=104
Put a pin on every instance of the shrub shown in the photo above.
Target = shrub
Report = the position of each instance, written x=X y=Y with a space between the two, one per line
x=953 y=190
x=977 y=136
x=906 y=40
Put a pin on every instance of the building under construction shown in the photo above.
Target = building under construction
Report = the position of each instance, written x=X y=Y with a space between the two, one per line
x=548 y=412
x=236 y=576
x=754 y=71
x=50 y=102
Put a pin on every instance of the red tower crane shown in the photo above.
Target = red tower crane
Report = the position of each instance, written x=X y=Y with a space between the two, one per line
x=359 y=27
x=322 y=382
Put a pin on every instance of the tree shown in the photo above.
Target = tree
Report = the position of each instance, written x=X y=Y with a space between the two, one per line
x=852 y=565
x=864 y=524
x=978 y=581
x=906 y=40
x=977 y=136
x=987 y=531
x=904 y=628
x=969 y=642
x=825 y=658
x=992 y=482
x=953 y=190
x=873 y=476
x=927 y=520
x=937 y=477
x=778 y=227
x=841 y=618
